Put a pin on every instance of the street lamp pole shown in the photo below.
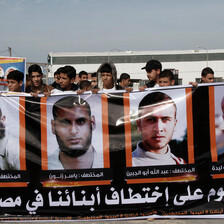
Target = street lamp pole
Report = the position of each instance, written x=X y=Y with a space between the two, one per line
x=206 y=52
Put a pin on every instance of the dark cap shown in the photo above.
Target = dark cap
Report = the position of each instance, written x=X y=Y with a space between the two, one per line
x=152 y=64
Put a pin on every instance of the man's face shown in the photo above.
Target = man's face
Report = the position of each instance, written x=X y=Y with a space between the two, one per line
x=83 y=77
x=107 y=80
x=73 y=129
x=156 y=125
x=36 y=79
x=14 y=86
x=65 y=81
x=209 y=78
x=126 y=82
x=153 y=74
x=94 y=81
x=165 y=81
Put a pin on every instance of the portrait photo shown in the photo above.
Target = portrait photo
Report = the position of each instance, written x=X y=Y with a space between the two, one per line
x=74 y=132
x=159 y=128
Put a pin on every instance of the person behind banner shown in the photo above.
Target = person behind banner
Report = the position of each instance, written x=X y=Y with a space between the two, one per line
x=156 y=123
x=37 y=86
x=72 y=125
x=207 y=75
x=67 y=79
x=15 y=81
x=166 y=78
x=153 y=68
x=56 y=83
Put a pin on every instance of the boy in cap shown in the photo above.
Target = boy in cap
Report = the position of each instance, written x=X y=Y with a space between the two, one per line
x=153 y=69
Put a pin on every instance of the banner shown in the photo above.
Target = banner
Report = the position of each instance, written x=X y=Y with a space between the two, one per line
x=156 y=153
x=8 y=64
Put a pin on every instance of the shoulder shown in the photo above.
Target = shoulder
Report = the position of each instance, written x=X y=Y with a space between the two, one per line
x=118 y=87
x=150 y=84
x=178 y=160
x=48 y=88
x=28 y=89
x=74 y=87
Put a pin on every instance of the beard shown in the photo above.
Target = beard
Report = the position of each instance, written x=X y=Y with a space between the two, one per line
x=74 y=153
x=2 y=131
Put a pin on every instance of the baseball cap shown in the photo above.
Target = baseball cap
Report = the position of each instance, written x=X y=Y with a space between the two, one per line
x=152 y=64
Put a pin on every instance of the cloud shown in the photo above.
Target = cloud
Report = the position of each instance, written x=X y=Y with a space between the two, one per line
x=19 y=6
x=38 y=1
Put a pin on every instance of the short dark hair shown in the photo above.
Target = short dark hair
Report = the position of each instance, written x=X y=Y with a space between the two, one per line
x=16 y=75
x=35 y=68
x=207 y=71
x=94 y=75
x=69 y=70
x=106 y=68
x=58 y=71
x=84 y=84
x=124 y=76
x=82 y=73
x=166 y=73
x=155 y=99
x=70 y=102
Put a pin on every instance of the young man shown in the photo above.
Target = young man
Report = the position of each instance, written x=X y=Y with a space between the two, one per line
x=94 y=80
x=37 y=86
x=166 y=78
x=207 y=75
x=107 y=77
x=85 y=85
x=83 y=75
x=124 y=80
x=156 y=122
x=56 y=83
x=15 y=81
x=67 y=78
x=153 y=69
x=72 y=125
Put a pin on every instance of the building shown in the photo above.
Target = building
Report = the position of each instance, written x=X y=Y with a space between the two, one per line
x=186 y=64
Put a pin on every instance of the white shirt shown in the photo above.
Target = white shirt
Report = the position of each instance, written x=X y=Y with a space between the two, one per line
x=141 y=157
x=108 y=90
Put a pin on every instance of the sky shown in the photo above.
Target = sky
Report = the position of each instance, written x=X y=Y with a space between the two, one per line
x=33 y=28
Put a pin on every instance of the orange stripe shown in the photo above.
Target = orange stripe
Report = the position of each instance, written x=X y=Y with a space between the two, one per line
x=218 y=176
x=22 y=134
x=43 y=110
x=76 y=184
x=127 y=127
x=190 y=133
x=13 y=184
x=211 y=93
x=164 y=179
x=106 y=152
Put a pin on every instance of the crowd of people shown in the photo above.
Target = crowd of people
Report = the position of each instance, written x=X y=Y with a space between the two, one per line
x=104 y=79
x=73 y=123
